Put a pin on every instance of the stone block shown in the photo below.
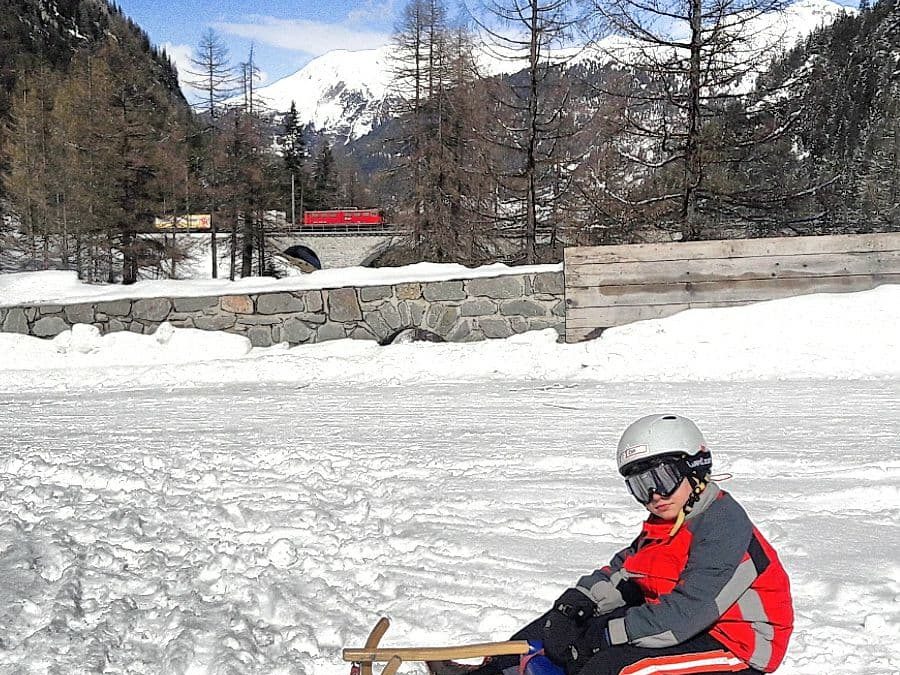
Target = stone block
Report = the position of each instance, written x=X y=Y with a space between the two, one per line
x=49 y=310
x=414 y=310
x=501 y=288
x=237 y=304
x=405 y=314
x=441 y=318
x=343 y=305
x=522 y=308
x=259 y=320
x=544 y=324
x=114 y=326
x=330 y=331
x=550 y=282
x=82 y=313
x=194 y=304
x=49 y=326
x=296 y=332
x=443 y=290
x=361 y=332
x=559 y=309
x=279 y=303
x=390 y=315
x=260 y=336
x=408 y=291
x=370 y=293
x=478 y=307
x=218 y=322
x=115 y=308
x=15 y=321
x=314 y=302
x=475 y=336
x=151 y=309
x=377 y=325
x=318 y=317
x=461 y=331
x=494 y=328
x=518 y=324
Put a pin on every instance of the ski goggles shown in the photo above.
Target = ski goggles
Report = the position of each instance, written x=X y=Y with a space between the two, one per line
x=662 y=479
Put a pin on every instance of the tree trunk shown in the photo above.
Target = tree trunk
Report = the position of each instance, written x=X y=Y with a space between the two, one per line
x=247 y=244
x=531 y=159
x=129 y=258
x=693 y=165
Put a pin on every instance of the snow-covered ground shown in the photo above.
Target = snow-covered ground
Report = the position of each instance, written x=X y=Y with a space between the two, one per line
x=180 y=503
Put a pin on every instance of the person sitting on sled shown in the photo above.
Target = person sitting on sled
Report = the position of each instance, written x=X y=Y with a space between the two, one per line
x=698 y=591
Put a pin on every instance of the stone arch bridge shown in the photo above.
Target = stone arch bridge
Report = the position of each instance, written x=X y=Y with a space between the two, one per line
x=338 y=249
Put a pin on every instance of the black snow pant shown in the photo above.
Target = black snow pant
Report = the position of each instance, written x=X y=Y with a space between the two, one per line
x=701 y=654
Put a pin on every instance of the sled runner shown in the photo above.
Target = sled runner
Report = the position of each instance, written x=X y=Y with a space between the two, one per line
x=363 y=657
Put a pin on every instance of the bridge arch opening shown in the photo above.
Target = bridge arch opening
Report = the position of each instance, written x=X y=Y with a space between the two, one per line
x=379 y=251
x=409 y=334
x=303 y=257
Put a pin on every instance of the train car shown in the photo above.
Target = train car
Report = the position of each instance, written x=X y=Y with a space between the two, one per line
x=338 y=218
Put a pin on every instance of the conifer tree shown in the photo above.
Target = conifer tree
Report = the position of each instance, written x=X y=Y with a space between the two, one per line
x=294 y=179
x=325 y=187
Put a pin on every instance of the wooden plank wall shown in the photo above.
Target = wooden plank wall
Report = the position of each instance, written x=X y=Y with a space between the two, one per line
x=614 y=285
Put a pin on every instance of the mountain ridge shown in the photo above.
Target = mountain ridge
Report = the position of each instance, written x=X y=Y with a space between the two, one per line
x=344 y=93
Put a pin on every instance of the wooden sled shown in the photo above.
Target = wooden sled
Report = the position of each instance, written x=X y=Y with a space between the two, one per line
x=394 y=656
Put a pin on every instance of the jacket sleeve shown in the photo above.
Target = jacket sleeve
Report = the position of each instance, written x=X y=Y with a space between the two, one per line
x=602 y=585
x=717 y=572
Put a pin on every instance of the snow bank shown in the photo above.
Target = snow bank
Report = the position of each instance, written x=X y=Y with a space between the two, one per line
x=855 y=335
x=57 y=287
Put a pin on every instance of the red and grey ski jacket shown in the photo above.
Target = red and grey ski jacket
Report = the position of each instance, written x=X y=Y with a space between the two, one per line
x=716 y=573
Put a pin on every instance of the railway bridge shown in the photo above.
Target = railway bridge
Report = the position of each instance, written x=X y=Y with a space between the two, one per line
x=347 y=247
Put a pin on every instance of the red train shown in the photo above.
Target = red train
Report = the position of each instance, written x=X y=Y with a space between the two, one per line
x=343 y=218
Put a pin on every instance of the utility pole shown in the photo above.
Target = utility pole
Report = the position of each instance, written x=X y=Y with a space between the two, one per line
x=293 y=207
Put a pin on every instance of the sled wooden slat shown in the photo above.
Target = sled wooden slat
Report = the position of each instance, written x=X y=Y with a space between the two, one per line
x=392 y=666
x=372 y=642
x=366 y=655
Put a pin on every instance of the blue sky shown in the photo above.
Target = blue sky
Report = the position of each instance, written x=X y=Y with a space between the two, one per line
x=286 y=34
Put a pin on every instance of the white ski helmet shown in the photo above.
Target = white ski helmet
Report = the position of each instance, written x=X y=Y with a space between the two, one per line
x=657 y=436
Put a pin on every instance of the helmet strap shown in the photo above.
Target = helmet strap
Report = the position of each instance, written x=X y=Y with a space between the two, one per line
x=698 y=485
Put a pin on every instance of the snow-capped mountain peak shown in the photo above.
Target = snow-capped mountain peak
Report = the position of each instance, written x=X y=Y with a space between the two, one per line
x=341 y=92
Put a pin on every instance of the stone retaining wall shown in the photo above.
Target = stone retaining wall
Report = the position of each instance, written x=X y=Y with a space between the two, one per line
x=458 y=311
